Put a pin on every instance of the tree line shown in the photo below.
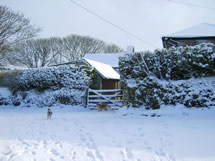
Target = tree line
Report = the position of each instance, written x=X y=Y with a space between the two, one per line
x=17 y=46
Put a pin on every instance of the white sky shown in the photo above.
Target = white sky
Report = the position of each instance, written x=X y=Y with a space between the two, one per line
x=148 y=19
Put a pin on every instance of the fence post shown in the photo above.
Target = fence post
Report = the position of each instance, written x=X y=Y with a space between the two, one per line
x=87 y=97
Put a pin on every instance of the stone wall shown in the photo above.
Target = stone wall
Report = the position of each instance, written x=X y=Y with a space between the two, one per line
x=129 y=96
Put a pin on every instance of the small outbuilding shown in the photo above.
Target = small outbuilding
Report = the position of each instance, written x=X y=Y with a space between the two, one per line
x=107 y=67
x=201 y=33
x=107 y=77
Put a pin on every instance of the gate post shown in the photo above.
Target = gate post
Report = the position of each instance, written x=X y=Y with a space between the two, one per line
x=87 y=97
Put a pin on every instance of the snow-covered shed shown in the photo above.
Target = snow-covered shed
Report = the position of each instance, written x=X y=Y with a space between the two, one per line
x=201 y=33
x=107 y=65
x=108 y=77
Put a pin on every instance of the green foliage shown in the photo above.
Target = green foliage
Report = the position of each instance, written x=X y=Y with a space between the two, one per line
x=92 y=75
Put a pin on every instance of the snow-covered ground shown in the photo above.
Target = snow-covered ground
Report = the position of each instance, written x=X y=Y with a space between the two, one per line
x=78 y=134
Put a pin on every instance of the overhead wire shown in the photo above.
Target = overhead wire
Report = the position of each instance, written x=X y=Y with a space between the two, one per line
x=116 y=26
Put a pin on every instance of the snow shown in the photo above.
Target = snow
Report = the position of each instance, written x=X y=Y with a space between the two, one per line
x=104 y=69
x=111 y=59
x=200 y=30
x=75 y=133
x=78 y=134
x=5 y=92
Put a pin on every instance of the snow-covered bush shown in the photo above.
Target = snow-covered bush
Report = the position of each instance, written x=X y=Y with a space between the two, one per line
x=51 y=78
x=50 y=86
x=170 y=64
x=146 y=71
x=4 y=100
x=152 y=92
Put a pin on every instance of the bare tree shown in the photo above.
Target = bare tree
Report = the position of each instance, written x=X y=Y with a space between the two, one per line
x=76 y=46
x=24 y=54
x=35 y=53
x=49 y=51
x=13 y=29
x=52 y=51
x=112 y=48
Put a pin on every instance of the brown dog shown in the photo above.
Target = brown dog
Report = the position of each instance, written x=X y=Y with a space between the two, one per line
x=49 y=113
x=102 y=107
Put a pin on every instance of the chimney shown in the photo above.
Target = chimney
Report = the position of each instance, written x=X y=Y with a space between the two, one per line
x=130 y=49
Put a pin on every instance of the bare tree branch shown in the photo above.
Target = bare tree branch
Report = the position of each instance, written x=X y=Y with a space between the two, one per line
x=14 y=28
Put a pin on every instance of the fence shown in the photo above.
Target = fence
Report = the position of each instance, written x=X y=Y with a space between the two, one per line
x=110 y=97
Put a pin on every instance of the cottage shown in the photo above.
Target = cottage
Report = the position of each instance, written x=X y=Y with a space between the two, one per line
x=201 y=33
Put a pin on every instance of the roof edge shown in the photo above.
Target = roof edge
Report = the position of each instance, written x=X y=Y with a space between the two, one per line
x=181 y=37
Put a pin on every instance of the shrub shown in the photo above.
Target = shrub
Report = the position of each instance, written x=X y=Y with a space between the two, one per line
x=170 y=64
x=4 y=101
x=50 y=86
x=51 y=78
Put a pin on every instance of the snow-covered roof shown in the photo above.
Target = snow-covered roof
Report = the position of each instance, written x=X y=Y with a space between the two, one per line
x=104 y=69
x=200 y=30
x=111 y=59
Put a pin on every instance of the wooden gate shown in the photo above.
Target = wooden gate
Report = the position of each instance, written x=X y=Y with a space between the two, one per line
x=110 y=97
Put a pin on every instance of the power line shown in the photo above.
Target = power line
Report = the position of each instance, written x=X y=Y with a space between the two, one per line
x=116 y=26
x=192 y=4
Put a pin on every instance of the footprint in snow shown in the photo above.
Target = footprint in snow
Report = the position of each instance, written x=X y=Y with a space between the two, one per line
x=129 y=153
x=91 y=145
x=51 y=159
x=33 y=153
x=91 y=156
x=160 y=152
x=99 y=156
x=165 y=155
x=56 y=153
x=74 y=155
x=59 y=145
x=82 y=138
x=123 y=155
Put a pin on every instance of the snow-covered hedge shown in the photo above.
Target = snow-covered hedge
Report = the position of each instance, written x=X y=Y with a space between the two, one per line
x=144 y=72
x=153 y=92
x=51 y=78
x=170 y=64
x=49 y=86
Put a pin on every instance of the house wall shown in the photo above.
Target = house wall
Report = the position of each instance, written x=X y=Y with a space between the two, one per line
x=169 y=42
x=110 y=84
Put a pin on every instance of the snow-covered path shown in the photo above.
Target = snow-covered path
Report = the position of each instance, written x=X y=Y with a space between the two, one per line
x=76 y=134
